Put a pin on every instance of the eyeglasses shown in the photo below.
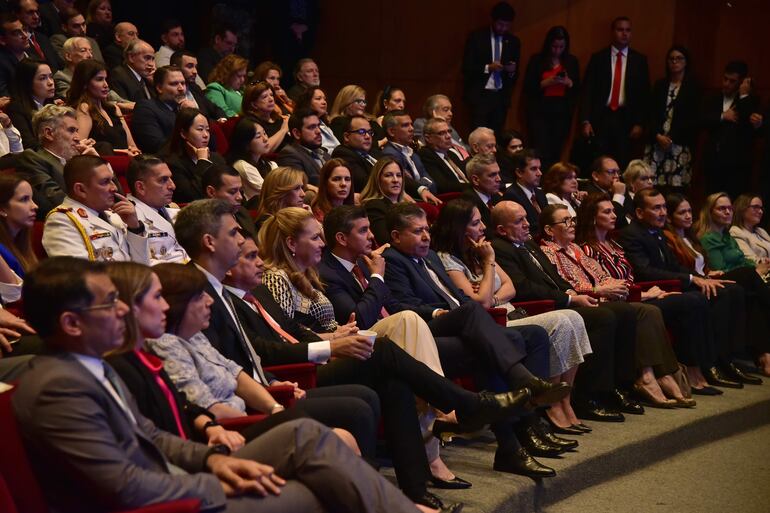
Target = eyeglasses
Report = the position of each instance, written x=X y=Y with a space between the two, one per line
x=361 y=131
x=111 y=303
x=756 y=207
x=359 y=101
x=612 y=171
x=567 y=222
x=442 y=133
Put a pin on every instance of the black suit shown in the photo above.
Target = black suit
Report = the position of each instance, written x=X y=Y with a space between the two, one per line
x=123 y=81
x=444 y=178
x=187 y=175
x=376 y=210
x=152 y=123
x=8 y=63
x=611 y=332
x=392 y=373
x=113 y=55
x=49 y=52
x=358 y=165
x=243 y=217
x=489 y=108
x=208 y=58
x=295 y=156
x=49 y=19
x=612 y=128
x=727 y=161
x=514 y=193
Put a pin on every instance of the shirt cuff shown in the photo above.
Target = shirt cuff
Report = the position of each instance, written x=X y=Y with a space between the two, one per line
x=486 y=68
x=378 y=276
x=619 y=198
x=319 y=352
x=421 y=188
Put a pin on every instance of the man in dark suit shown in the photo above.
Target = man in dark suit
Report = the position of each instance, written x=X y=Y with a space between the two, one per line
x=40 y=46
x=188 y=63
x=49 y=16
x=14 y=46
x=442 y=161
x=355 y=279
x=131 y=80
x=57 y=130
x=357 y=150
x=484 y=174
x=125 y=32
x=153 y=119
x=224 y=182
x=731 y=118
x=490 y=69
x=648 y=252
x=73 y=408
x=224 y=39
x=536 y=278
x=211 y=237
x=417 y=182
x=605 y=180
x=526 y=190
x=616 y=87
x=306 y=152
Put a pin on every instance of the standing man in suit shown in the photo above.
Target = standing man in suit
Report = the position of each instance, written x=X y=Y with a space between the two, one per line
x=484 y=174
x=616 y=88
x=152 y=188
x=74 y=409
x=605 y=180
x=56 y=127
x=188 y=63
x=306 y=152
x=526 y=190
x=731 y=118
x=153 y=119
x=131 y=80
x=490 y=66
x=357 y=150
x=418 y=183
x=442 y=161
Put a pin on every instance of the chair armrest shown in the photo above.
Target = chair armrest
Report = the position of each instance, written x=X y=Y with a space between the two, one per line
x=241 y=423
x=180 y=506
x=667 y=285
x=500 y=315
x=284 y=394
x=300 y=373
x=536 y=307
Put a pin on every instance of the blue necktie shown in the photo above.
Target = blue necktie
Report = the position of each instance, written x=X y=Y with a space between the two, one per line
x=496 y=57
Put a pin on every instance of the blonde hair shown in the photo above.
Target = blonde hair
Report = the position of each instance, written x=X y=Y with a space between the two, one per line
x=226 y=68
x=372 y=188
x=344 y=99
x=133 y=281
x=635 y=169
x=705 y=224
x=285 y=223
x=277 y=184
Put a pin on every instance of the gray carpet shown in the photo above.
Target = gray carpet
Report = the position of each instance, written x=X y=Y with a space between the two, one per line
x=637 y=455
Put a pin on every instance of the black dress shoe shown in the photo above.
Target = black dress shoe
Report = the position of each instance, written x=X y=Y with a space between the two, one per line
x=544 y=392
x=707 y=390
x=522 y=463
x=732 y=372
x=429 y=499
x=545 y=433
x=715 y=378
x=569 y=430
x=457 y=483
x=494 y=407
x=589 y=409
x=582 y=427
x=622 y=401
x=530 y=439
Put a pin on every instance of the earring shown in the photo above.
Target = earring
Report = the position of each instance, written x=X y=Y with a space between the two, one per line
x=4 y=214
x=293 y=254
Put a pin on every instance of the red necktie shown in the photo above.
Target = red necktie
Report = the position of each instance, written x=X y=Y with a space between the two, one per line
x=535 y=204
x=359 y=274
x=268 y=319
x=38 y=50
x=463 y=153
x=616 y=78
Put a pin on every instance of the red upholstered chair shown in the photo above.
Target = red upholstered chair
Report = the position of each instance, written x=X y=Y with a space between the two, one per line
x=431 y=211
x=37 y=240
x=18 y=486
x=301 y=373
x=448 y=196
x=223 y=142
x=229 y=126
x=119 y=164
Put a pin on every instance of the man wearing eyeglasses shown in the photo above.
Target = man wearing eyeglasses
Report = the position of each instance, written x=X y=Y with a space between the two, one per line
x=605 y=179
x=356 y=150
x=14 y=45
x=40 y=47
x=442 y=161
x=526 y=190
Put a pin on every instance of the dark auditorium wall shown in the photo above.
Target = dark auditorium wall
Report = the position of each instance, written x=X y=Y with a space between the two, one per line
x=418 y=44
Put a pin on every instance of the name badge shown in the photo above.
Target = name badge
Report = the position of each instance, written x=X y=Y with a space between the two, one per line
x=95 y=236
x=157 y=234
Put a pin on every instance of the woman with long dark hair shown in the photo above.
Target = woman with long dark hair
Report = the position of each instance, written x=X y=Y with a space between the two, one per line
x=17 y=216
x=248 y=145
x=335 y=188
x=32 y=87
x=551 y=84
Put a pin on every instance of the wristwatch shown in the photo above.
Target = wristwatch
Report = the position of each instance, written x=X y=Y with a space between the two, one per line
x=217 y=449
x=209 y=424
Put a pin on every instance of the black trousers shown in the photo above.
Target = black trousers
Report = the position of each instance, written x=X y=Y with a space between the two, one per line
x=549 y=128
x=757 y=308
x=397 y=378
x=612 y=131
x=489 y=109
x=687 y=316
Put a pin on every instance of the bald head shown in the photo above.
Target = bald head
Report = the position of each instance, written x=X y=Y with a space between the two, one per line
x=125 y=32
x=509 y=220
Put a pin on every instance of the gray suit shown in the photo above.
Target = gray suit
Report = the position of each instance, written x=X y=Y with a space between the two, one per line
x=292 y=155
x=89 y=455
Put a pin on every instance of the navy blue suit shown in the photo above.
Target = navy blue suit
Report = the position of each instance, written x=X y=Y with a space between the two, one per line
x=410 y=184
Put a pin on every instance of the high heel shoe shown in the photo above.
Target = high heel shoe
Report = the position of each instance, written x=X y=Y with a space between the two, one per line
x=582 y=427
x=684 y=402
x=650 y=400
x=456 y=483
x=569 y=430
x=445 y=431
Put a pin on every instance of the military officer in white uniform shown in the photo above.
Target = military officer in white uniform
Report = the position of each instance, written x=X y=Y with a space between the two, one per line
x=152 y=188
x=94 y=221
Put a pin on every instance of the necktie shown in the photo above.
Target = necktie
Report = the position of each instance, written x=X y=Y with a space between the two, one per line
x=269 y=319
x=256 y=361
x=616 y=79
x=496 y=57
x=456 y=170
x=36 y=46
x=104 y=216
x=437 y=287
x=114 y=382
x=359 y=274
x=534 y=259
x=460 y=149
x=535 y=204
x=164 y=214
x=371 y=160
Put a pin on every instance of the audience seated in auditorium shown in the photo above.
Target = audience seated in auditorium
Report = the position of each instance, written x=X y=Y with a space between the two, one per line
x=637 y=177
x=40 y=46
x=248 y=156
x=188 y=155
x=73 y=24
x=349 y=102
x=172 y=39
x=484 y=175
x=224 y=39
x=753 y=240
x=49 y=15
x=388 y=100
x=31 y=89
x=259 y=103
x=10 y=137
x=315 y=99
x=124 y=33
x=383 y=190
x=561 y=187
x=152 y=189
x=223 y=182
x=17 y=215
x=482 y=140
x=305 y=152
x=99 y=119
x=15 y=47
x=306 y=75
x=605 y=179
x=94 y=221
x=225 y=83
x=188 y=63
x=271 y=73
x=283 y=187
x=99 y=19
x=357 y=148
x=526 y=191
x=442 y=161
x=439 y=106
x=335 y=188
x=132 y=79
x=509 y=142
